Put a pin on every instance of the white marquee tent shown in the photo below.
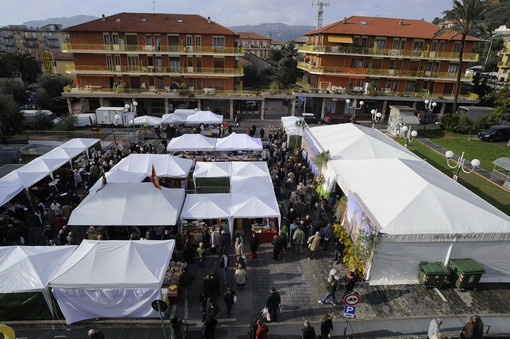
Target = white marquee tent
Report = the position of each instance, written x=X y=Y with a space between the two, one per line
x=212 y=169
x=30 y=268
x=289 y=124
x=129 y=204
x=146 y=120
x=112 y=279
x=238 y=142
x=192 y=142
x=204 y=117
x=178 y=117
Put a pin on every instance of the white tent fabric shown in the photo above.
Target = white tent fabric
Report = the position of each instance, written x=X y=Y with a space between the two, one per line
x=238 y=142
x=204 y=117
x=111 y=279
x=413 y=206
x=289 y=124
x=212 y=169
x=206 y=206
x=250 y=169
x=192 y=142
x=250 y=206
x=7 y=192
x=129 y=204
x=254 y=185
x=178 y=117
x=30 y=268
x=146 y=120
x=79 y=145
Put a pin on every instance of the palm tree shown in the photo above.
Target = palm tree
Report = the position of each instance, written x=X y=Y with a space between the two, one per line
x=25 y=64
x=462 y=18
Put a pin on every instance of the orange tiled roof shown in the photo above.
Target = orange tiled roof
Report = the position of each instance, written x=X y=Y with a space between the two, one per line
x=153 y=23
x=251 y=35
x=388 y=27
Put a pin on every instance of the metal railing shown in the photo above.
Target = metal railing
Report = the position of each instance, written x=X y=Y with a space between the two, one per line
x=504 y=64
x=382 y=52
x=171 y=49
x=178 y=70
x=393 y=73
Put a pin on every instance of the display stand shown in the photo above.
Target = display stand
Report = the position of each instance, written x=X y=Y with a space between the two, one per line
x=265 y=233
x=170 y=290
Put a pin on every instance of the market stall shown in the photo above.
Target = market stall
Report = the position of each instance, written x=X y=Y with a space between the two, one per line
x=191 y=143
x=204 y=207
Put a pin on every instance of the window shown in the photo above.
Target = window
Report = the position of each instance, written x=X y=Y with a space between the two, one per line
x=355 y=40
x=219 y=41
x=116 y=58
x=452 y=68
x=395 y=43
x=403 y=44
x=175 y=64
x=133 y=63
x=148 y=40
x=357 y=63
x=364 y=42
x=109 y=64
x=106 y=38
x=418 y=46
x=380 y=43
x=157 y=41
x=456 y=47
x=198 y=40
x=434 y=46
x=441 y=46
x=409 y=87
x=115 y=38
x=150 y=61
x=189 y=40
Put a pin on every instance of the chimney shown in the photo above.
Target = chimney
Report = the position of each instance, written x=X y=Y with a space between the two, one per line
x=103 y=17
x=208 y=19
x=401 y=23
x=344 y=21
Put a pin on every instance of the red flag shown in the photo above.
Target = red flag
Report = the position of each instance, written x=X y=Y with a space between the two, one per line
x=154 y=178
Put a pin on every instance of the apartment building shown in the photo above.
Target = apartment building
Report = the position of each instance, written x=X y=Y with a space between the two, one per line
x=390 y=55
x=255 y=44
x=154 y=52
x=31 y=40
x=504 y=64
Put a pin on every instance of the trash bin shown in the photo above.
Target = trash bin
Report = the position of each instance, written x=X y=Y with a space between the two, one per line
x=433 y=274
x=466 y=273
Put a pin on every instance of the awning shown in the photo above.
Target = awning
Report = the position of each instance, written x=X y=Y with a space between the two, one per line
x=503 y=162
x=340 y=39
x=409 y=119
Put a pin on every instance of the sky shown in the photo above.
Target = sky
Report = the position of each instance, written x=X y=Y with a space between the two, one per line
x=227 y=12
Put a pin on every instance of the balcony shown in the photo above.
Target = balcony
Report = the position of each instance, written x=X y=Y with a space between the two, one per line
x=503 y=64
x=379 y=73
x=388 y=53
x=153 y=70
x=151 y=49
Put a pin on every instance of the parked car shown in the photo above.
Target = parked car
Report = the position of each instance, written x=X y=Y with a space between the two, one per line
x=336 y=119
x=311 y=119
x=495 y=133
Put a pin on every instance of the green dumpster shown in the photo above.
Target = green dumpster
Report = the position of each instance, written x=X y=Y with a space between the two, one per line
x=466 y=273
x=433 y=274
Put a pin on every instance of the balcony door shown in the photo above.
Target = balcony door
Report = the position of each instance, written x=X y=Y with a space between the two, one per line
x=131 y=42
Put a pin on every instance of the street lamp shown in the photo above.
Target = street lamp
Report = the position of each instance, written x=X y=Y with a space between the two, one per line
x=376 y=117
x=131 y=107
x=429 y=107
x=354 y=106
x=460 y=164
x=408 y=134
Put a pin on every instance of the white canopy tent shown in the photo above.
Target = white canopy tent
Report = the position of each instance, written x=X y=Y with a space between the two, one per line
x=129 y=204
x=146 y=120
x=178 y=117
x=245 y=205
x=423 y=215
x=250 y=169
x=212 y=169
x=208 y=206
x=289 y=124
x=192 y=142
x=112 y=279
x=30 y=268
x=238 y=142
x=204 y=117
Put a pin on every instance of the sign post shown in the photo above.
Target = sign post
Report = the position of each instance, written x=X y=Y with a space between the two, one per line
x=160 y=306
x=351 y=300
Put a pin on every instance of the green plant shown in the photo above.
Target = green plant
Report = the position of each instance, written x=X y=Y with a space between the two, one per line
x=285 y=229
x=480 y=123
x=321 y=160
x=67 y=123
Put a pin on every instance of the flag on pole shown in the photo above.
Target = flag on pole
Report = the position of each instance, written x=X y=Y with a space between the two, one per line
x=154 y=178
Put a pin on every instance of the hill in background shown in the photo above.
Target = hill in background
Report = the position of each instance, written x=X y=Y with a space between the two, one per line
x=278 y=32
x=65 y=22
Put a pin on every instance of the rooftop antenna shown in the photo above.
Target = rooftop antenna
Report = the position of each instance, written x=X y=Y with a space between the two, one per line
x=153 y=6
x=320 y=10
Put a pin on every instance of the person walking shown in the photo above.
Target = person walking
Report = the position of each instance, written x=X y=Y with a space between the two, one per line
x=327 y=325
x=209 y=328
x=224 y=261
x=468 y=332
x=332 y=286
x=211 y=308
x=254 y=246
x=277 y=247
x=262 y=330
x=212 y=285
x=230 y=299
x=215 y=240
x=434 y=327
x=252 y=331
x=201 y=251
x=95 y=334
x=177 y=328
x=308 y=331
x=314 y=243
x=240 y=276
x=299 y=239
x=478 y=327
x=327 y=235
x=238 y=246
x=351 y=281
x=272 y=303
x=339 y=250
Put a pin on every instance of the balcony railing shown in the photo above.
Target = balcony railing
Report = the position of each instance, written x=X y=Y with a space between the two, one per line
x=176 y=49
x=393 y=53
x=371 y=72
x=504 y=64
x=155 y=70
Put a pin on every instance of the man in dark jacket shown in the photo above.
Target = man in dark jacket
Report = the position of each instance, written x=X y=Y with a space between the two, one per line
x=327 y=235
x=326 y=325
x=308 y=331
x=224 y=242
x=272 y=304
x=96 y=334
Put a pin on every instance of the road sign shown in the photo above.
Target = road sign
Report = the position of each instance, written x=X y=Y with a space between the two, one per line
x=352 y=299
x=349 y=311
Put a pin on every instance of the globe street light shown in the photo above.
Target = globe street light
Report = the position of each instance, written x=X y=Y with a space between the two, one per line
x=460 y=164
x=354 y=106
x=408 y=134
x=376 y=117
x=131 y=107
x=429 y=107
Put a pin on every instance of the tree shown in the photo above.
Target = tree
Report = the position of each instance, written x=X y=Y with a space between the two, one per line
x=11 y=120
x=15 y=88
x=67 y=123
x=25 y=64
x=462 y=18
x=286 y=68
x=53 y=84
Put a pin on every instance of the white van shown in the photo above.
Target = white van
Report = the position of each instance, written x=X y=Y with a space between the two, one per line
x=85 y=120
x=30 y=114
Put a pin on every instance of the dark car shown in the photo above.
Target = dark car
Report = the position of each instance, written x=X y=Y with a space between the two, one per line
x=311 y=119
x=336 y=119
x=495 y=133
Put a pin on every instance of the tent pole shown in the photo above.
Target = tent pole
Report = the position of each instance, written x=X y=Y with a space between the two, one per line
x=449 y=253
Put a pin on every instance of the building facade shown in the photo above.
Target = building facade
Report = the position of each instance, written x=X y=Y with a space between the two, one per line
x=31 y=40
x=154 y=52
x=386 y=55
x=504 y=64
x=255 y=44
